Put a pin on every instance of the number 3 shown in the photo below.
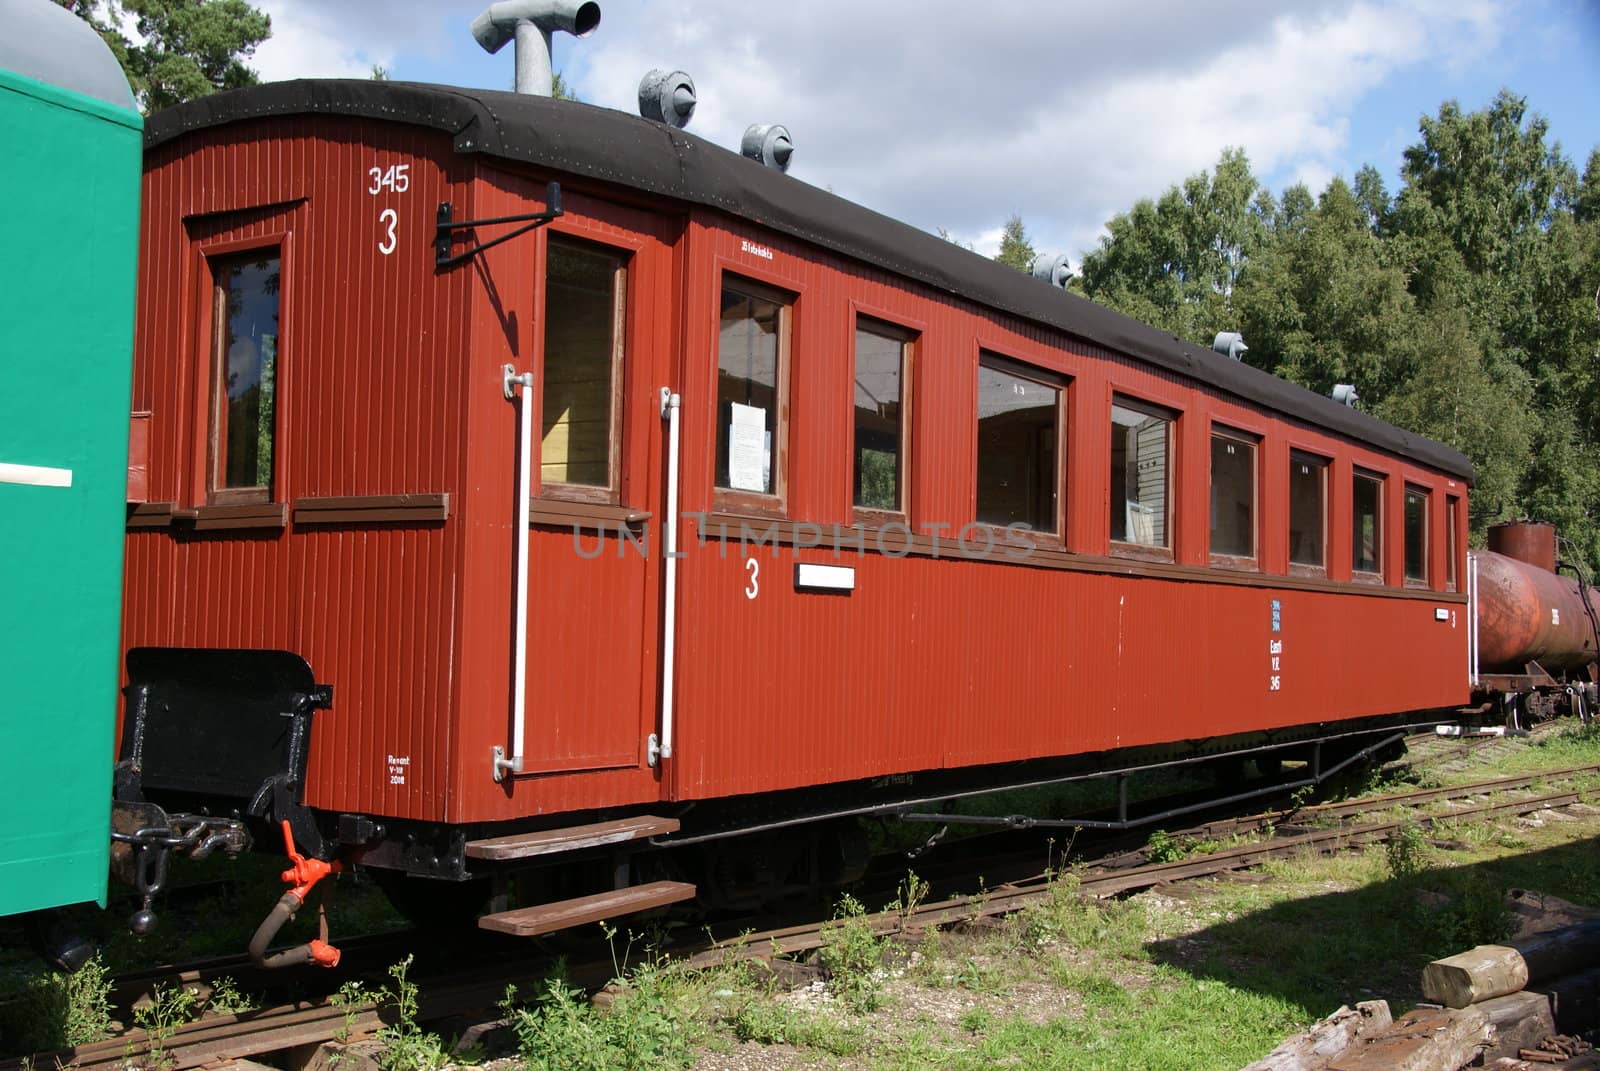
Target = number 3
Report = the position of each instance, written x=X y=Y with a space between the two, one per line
x=389 y=217
x=754 y=587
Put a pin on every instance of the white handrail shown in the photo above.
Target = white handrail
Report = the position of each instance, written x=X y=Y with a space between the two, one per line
x=519 y=673
x=661 y=748
x=1472 y=619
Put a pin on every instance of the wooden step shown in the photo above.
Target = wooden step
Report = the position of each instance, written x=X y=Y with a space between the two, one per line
x=564 y=914
x=571 y=838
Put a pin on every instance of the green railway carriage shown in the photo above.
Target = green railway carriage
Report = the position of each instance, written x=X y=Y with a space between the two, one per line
x=70 y=144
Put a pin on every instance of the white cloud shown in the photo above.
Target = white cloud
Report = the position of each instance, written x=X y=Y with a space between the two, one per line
x=955 y=117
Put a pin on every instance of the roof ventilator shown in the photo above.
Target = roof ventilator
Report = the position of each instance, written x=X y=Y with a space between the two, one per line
x=768 y=144
x=1055 y=270
x=530 y=23
x=1345 y=394
x=1230 y=344
x=667 y=97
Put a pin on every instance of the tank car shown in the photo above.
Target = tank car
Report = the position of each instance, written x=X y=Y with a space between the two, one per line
x=72 y=160
x=1535 y=632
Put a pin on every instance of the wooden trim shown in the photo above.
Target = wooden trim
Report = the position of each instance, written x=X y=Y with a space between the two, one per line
x=431 y=508
x=866 y=323
x=1141 y=552
x=1236 y=562
x=895 y=544
x=147 y=515
x=593 y=516
x=777 y=502
x=243 y=515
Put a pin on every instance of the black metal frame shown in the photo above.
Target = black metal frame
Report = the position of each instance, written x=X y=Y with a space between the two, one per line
x=444 y=228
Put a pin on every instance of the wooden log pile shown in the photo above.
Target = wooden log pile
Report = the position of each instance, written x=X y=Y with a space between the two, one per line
x=1512 y=1007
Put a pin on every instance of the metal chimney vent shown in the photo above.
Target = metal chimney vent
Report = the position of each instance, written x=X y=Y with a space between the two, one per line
x=530 y=23
x=667 y=97
x=1230 y=344
x=1055 y=270
x=769 y=144
x=1345 y=394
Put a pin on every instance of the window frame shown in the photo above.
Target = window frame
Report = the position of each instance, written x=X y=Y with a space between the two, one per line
x=213 y=394
x=1452 y=535
x=1252 y=561
x=1044 y=377
x=561 y=490
x=1325 y=466
x=1426 y=495
x=907 y=337
x=732 y=500
x=1121 y=548
x=1364 y=576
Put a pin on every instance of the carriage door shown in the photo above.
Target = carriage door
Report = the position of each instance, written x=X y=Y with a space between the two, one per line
x=604 y=337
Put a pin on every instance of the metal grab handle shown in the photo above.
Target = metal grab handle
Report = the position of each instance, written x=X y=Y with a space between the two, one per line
x=659 y=748
x=503 y=766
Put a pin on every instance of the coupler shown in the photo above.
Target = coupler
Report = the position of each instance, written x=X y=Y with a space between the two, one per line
x=303 y=875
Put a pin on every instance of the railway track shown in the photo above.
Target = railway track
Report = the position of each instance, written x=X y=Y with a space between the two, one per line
x=216 y=1038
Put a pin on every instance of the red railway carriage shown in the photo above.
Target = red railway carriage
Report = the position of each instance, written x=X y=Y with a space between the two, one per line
x=935 y=525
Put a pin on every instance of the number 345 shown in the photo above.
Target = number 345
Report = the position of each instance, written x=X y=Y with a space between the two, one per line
x=394 y=177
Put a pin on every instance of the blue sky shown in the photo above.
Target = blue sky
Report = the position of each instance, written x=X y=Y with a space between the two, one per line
x=950 y=116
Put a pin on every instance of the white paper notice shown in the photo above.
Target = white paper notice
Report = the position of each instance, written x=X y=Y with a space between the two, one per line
x=747 y=449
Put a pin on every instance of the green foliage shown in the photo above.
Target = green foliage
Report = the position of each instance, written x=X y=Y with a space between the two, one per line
x=1475 y=913
x=1163 y=847
x=57 y=1011
x=228 y=1000
x=768 y=1023
x=1462 y=307
x=406 y=1046
x=187 y=48
x=642 y=1027
x=1015 y=249
x=853 y=957
x=169 y=1009
x=1405 y=852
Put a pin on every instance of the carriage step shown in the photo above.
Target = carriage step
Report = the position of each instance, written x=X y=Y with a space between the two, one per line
x=564 y=914
x=572 y=838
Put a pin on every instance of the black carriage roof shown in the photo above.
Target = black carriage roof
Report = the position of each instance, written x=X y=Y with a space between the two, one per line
x=613 y=146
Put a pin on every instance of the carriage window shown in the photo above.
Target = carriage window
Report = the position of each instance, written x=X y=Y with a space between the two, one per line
x=880 y=426
x=1233 y=496
x=1451 y=534
x=752 y=350
x=583 y=340
x=1416 y=534
x=1019 y=429
x=1308 y=490
x=245 y=323
x=1366 y=543
x=1141 y=455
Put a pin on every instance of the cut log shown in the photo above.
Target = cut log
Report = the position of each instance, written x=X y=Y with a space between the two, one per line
x=1520 y=1021
x=1483 y=973
x=1560 y=952
x=1574 y=1000
x=1312 y=1050
x=1424 y=1039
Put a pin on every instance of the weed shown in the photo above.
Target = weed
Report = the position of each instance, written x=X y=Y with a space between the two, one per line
x=58 y=1011
x=561 y=1030
x=1163 y=847
x=976 y=1020
x=350 y=999
x=406 y=1046
x=910 y=895
x=227 y=1000
x=1476 y=914
x=852 y=955
x=767 y=1023
x=1405 y=852
x=169 y=1009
